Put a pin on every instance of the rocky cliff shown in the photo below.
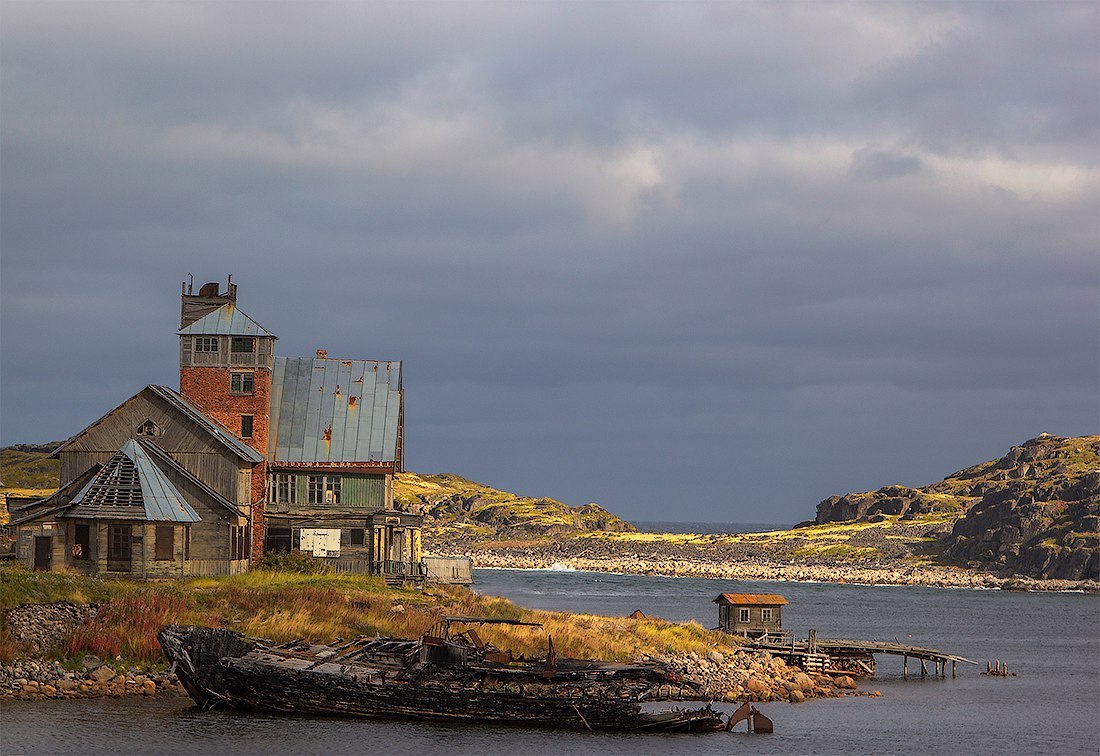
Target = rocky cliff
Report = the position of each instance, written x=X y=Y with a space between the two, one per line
x=1032 y=512
x=454 y=507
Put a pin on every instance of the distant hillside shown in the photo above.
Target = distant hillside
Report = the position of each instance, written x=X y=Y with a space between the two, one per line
x=24 y=466
x=455 y=507
x=1031 y=512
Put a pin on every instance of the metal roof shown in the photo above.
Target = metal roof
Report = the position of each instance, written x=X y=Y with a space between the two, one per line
x=130 y=481
x=327 y=410
x=227 y=320
x=752 y=599
x=215 y=428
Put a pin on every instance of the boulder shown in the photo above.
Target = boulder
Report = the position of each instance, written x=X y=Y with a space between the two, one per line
x=102 y=675
x=796 y=696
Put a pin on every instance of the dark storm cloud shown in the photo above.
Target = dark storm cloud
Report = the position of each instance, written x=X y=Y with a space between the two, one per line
x=720 y=260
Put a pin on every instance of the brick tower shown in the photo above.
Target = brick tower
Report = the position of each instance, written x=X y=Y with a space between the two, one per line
x=225 y=370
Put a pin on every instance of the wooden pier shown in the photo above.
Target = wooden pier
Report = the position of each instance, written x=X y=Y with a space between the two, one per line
x=857 y=657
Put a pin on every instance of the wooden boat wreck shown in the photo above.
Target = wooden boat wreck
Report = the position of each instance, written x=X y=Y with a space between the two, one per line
x=442 y=677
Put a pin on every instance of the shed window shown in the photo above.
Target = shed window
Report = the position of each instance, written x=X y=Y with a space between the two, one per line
x=765 y=615
x=165 y=543
x=324 y=489
x=82 y=541
x=742 y=615
x=206 y=343
x=242 y=383
x=242 y=344
x=246 y=426
x=357 y=536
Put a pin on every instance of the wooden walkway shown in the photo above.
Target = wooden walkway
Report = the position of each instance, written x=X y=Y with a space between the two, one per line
x=858 y=656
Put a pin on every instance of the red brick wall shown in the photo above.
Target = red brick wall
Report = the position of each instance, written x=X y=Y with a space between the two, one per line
x=208 y=389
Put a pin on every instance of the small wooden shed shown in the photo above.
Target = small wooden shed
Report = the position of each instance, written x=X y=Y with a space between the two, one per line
x=750 y=614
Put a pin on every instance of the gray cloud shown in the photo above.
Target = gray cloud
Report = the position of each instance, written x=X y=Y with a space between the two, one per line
x=720 y=260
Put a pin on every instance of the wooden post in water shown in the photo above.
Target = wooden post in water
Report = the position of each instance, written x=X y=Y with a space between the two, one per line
x=905 y=668
x=953 y=669
x=923 y=667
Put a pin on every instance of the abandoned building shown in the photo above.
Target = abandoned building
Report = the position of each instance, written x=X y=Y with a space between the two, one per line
x=254 y=454
x=752 y=615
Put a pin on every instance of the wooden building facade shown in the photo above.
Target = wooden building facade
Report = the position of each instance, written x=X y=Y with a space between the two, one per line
x=751 y=615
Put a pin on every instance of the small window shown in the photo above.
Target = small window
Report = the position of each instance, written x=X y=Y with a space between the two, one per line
x=241 y=344
x=765 y=615
x=324 y=489
x=284 y=492
x=742 y=615
x=165 y=543
x=246 y=426
x=82 y=541
x=186 y=542
x=242 y=383
x=357 y=536
x=148 y=428
x=206 y=343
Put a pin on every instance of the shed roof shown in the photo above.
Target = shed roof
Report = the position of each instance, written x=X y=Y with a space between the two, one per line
x=227 y=320
x=328 y=410
x=751 y=599
x=131 y=486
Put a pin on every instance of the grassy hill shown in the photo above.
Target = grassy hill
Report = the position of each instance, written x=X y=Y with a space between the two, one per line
x=25 y=466
x=456 y=507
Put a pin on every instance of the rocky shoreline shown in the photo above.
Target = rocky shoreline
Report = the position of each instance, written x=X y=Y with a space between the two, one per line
x=560 y=555
x=31 y=680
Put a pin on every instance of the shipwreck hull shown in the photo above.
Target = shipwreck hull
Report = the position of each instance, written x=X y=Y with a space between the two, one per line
x=224 y=669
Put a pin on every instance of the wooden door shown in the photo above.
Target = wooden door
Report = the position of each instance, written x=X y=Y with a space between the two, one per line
x=43 y=552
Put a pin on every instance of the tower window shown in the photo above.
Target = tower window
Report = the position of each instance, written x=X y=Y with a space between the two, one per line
x=206 y=343
x=242 y=383
x=240 y=344
x=284 y=488
x=246 y=426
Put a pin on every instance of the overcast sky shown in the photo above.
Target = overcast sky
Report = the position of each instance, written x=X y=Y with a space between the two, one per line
x=692 y=261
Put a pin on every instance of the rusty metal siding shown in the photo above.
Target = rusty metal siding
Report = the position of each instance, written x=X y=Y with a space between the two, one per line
x=329 y=410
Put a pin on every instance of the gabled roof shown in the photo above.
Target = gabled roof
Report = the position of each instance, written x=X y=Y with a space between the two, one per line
x=751 y=599
x=214 y=428
x=326 y=410
x=131 y=486
x=227 y=320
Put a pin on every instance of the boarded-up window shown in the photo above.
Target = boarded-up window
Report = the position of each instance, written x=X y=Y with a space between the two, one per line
x=82 y=541
x=357 y=536
x=166 y=543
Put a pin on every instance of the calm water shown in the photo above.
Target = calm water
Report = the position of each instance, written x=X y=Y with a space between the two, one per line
x=1051 y=640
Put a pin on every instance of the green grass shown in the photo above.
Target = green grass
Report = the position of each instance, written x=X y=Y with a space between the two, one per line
x=283 y=606
x=21 y=468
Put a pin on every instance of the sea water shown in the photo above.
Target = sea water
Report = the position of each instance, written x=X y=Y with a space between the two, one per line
x=1050 y=640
